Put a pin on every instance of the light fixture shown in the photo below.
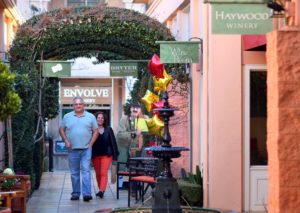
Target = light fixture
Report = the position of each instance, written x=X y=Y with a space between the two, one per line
x=277 y=8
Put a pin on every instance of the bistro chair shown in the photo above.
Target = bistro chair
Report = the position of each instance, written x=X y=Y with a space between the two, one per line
x=122 y=170
x=142 y=170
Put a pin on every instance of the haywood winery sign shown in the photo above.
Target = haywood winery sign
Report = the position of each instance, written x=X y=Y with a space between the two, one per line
x=241 y=19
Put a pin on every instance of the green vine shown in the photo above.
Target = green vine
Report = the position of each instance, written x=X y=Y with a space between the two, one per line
x=101 y=32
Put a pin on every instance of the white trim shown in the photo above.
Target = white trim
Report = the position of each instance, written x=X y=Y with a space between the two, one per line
x=247 y=70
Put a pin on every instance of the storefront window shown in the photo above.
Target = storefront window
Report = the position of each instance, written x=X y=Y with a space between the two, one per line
x=81 y=3
x=258 y=118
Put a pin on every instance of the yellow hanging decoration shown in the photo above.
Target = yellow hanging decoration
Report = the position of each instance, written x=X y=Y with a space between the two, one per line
x=148 y=99
x=155 y=125
x=161 y=84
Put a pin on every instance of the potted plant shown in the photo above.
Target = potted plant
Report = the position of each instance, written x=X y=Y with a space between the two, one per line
x=191 y=188
x=8 y=184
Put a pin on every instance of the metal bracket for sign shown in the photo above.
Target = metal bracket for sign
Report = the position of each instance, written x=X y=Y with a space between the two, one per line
x=200 y=53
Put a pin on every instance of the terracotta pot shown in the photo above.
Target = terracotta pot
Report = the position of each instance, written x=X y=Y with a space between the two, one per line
x=5 y=210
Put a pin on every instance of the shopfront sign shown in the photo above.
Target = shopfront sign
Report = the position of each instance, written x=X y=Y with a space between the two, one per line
x=90 y=95
x=60 y=147
x=123 y=68
x=179 y=51
x=56 y=68
x=241 y=19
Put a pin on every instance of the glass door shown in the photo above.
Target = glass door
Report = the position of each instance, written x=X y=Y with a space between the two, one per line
x=255 y=139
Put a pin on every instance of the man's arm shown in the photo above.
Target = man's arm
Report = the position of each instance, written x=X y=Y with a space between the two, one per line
x=94 y=137
x=64 y=137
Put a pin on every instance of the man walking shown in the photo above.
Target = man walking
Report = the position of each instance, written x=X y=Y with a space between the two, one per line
x=79 y=131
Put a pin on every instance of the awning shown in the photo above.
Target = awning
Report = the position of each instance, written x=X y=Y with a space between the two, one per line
x=254 y=42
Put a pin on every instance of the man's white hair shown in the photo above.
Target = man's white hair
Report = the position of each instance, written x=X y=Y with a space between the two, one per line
x=78 y=98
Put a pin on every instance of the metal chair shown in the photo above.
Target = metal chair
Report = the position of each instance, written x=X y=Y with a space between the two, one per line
x=142 y=170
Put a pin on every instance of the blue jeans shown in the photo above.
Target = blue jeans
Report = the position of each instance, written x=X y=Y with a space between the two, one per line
x=80 y=159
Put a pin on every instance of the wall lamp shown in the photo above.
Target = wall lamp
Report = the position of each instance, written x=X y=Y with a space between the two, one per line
x=277 y=8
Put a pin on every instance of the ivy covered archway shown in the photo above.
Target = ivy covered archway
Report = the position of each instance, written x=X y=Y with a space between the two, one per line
x=102 y=32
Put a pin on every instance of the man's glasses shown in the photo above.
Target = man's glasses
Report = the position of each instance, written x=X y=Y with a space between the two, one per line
x=79 y=104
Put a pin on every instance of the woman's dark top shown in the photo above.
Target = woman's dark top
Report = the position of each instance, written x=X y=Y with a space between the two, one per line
x=106 y=144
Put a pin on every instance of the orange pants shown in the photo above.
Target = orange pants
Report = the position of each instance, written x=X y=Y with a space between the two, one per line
x=101 y=166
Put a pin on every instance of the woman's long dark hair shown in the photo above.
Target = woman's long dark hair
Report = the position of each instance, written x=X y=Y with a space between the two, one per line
x=104 y=116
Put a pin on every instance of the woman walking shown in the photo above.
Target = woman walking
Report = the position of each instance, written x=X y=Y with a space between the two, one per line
x=104 y=151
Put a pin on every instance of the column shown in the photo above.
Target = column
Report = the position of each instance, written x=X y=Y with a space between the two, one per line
x=283 y=122
x=2 y=31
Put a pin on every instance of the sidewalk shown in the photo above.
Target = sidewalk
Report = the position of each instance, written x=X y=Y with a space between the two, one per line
x=54 y=194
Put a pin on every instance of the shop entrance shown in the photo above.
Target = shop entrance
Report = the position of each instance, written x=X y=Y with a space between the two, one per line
x=255 y=139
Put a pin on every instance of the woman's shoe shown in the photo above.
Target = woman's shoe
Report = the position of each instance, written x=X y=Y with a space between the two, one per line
x=100 y=194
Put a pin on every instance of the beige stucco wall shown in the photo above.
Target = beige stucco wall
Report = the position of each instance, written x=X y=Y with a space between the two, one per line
x=2 y=48
x=57 y=4
x=118 y=101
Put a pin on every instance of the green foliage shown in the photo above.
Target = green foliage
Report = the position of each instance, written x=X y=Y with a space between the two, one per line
x=191 y=187
x=8 y=184
x=101 y=32
x=191 y=194
x=192 y=178
x=183 y=174
x=10 y=102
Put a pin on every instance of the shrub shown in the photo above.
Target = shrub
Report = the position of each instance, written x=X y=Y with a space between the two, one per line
x=191 y=187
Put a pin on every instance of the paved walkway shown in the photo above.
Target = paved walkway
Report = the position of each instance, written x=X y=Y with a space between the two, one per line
x=55 y=192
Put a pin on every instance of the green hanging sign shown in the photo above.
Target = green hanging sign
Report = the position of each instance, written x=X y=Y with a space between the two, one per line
x=236 y=1
x=241 y=19
x=179 y=51
x=124 y=68
x=56 y=68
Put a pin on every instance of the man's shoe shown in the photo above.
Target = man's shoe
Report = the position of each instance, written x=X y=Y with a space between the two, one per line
x=75 y=197
x=100 y=194
x=87 y=198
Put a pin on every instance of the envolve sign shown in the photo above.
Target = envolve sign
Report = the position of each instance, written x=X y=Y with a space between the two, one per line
x=241 y=19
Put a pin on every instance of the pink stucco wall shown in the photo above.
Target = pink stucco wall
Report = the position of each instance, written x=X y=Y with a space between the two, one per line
x=225 y=122
x=179 y=128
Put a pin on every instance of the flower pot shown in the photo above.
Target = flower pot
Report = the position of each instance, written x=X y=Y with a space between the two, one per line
x=5 y=210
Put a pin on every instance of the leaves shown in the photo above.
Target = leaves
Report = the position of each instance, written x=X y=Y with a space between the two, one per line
x=68 y=33
x=10 y=102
